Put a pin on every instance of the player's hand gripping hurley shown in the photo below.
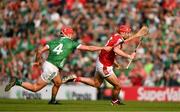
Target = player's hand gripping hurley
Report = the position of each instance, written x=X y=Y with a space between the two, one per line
x=135 y=52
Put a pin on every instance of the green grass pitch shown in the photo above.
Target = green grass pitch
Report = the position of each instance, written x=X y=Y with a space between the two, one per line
x=12 y=105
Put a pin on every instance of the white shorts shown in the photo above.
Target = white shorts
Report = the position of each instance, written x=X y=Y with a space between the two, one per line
x=49 y=71
x=105 y=71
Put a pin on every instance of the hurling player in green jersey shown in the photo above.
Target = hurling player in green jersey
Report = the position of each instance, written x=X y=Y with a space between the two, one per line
x=59 y=50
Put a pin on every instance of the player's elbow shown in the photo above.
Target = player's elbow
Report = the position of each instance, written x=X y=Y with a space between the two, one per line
x=34 y=89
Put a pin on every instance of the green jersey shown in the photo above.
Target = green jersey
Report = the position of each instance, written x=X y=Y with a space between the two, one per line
x=59 y=50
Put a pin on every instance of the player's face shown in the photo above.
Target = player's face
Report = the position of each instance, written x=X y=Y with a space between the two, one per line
x=125 y=35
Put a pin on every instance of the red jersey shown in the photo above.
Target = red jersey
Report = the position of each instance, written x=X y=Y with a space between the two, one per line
x=107 y=58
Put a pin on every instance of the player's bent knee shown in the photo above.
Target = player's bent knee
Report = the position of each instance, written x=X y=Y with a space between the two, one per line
x=35 y=89
x=57 y=83
x=97 y=85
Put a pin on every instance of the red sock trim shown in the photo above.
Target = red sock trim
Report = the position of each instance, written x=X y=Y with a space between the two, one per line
x=78 y=79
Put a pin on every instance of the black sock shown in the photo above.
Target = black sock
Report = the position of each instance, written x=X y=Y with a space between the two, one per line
x=53 y=98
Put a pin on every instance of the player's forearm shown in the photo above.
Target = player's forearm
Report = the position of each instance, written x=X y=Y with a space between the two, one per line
x=95 y=48
x=121 y=53
x=90 y=48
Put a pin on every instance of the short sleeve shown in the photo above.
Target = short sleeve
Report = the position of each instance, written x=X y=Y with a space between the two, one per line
x=75 y=44
x=117 y=39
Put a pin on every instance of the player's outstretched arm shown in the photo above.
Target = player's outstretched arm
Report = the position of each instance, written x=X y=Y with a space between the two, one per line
x=39 y=54
x=118 y=51
x=93 y=48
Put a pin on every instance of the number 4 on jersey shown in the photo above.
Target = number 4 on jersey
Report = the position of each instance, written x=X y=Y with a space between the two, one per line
x=58 y=49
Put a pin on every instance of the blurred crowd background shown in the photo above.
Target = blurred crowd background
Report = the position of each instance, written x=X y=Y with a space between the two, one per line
x=26 y=25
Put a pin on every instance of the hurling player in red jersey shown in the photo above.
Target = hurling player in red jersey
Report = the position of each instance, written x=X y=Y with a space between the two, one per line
x=104 y=64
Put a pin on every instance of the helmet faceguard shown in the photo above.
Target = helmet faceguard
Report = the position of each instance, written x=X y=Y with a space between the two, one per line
x=124 y=29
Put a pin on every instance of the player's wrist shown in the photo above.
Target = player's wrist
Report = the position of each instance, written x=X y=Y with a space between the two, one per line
x=103 y=48
x=129 y=56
